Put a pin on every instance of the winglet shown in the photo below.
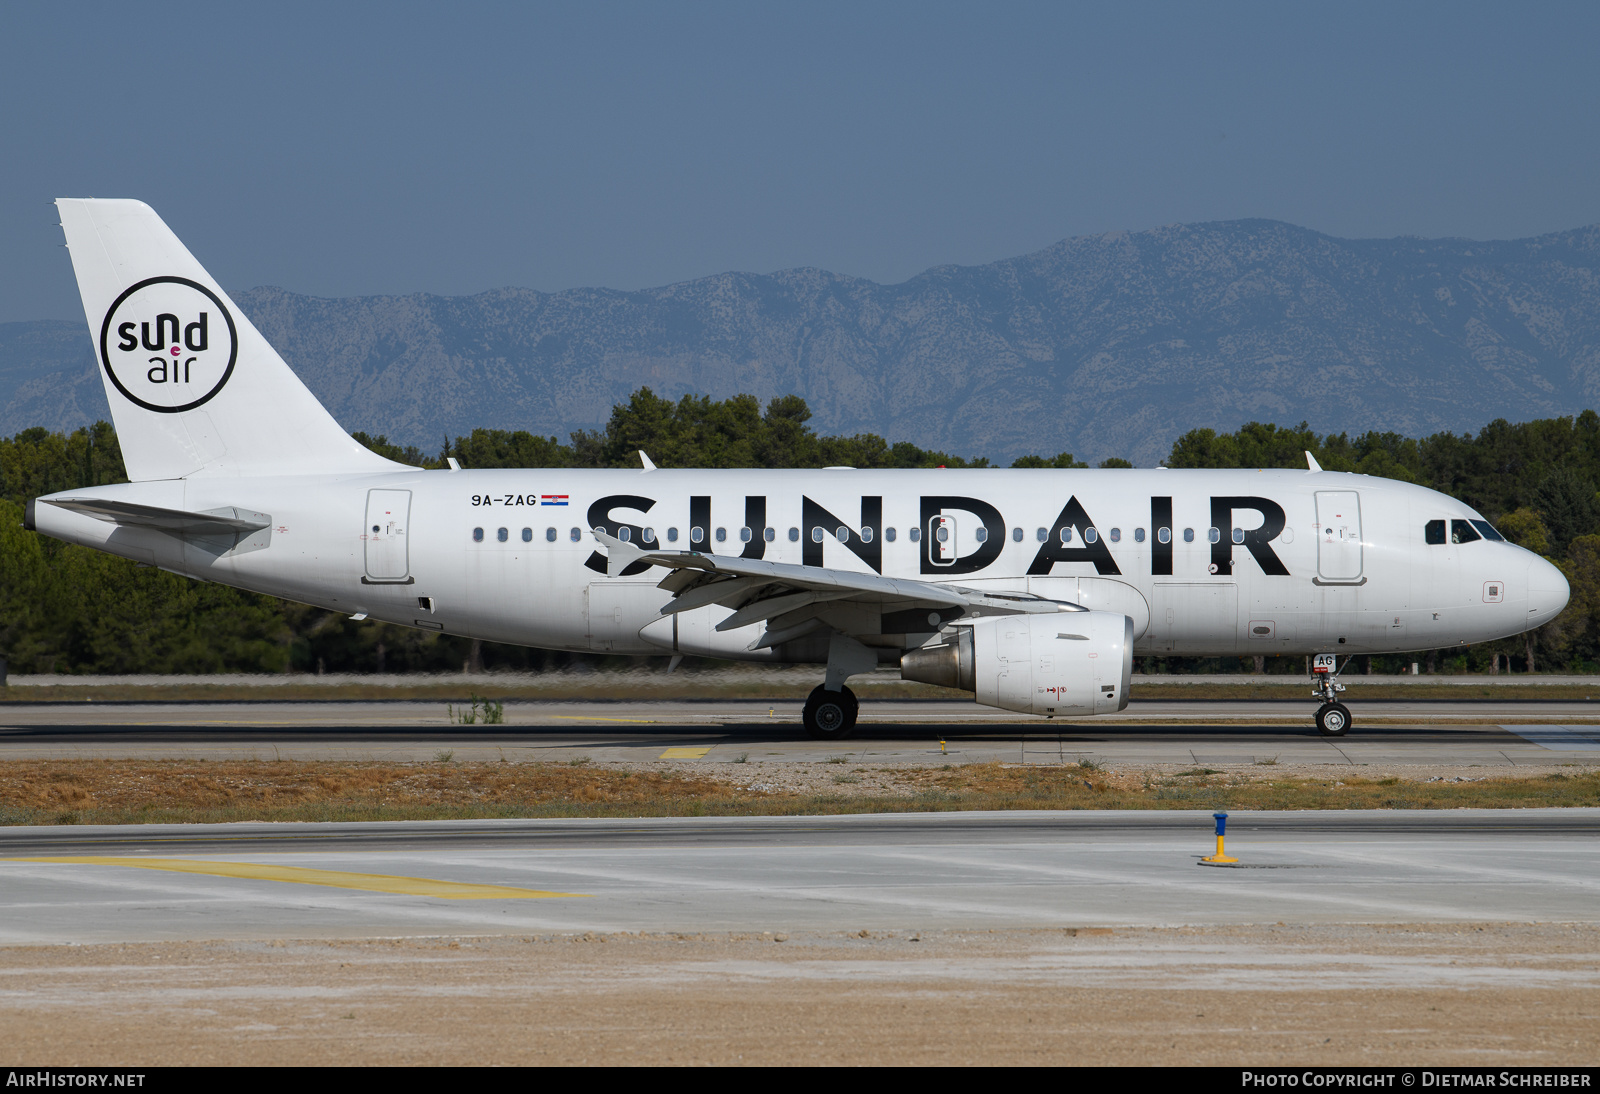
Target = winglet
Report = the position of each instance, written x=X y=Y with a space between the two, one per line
x=619 y=555
x=644 y=459
x=1311 y=462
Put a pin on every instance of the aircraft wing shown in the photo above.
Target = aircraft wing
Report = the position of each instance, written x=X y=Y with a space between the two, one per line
x=790 y=599
x=216 y=522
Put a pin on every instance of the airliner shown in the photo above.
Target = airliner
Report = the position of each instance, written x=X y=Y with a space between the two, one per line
x=1031 y=589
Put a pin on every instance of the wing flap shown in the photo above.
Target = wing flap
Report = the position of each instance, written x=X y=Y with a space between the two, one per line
x=757 y=589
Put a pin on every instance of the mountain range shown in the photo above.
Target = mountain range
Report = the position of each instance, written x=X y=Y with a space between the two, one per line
x=1106 y=345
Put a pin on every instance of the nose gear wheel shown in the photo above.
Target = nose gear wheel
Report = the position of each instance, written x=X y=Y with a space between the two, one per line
x=1333 y=719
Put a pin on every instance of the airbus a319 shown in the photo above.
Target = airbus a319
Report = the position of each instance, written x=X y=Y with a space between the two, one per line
x=1031 y=589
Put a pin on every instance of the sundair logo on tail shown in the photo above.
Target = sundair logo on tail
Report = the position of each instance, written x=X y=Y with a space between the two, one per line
x=168 y=344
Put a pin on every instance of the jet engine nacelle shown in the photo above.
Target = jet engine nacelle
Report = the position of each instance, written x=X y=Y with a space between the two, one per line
x=1059 y=663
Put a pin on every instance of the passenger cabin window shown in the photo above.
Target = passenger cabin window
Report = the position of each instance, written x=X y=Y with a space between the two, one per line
x=914 y=534
x=1091 y=535
x=794 y=535
x=769 y=534
x=477 y=535
x=1164 y=535
x=1462 y=531
x=866 y=533
x=746 y=535
x=722 y=534
x=981 y=534
x=576 y=534
x=1041 y=535
x=549 y=535
x=1188 y=535
x=502 y=535
x=1433 y=532
x=672 y=535
x=1138 y=535
x=1116 y=535
x=527 y=535
x=889 y=534
x=1016 y=535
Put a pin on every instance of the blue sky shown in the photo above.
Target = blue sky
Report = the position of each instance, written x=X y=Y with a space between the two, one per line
x=351 y=149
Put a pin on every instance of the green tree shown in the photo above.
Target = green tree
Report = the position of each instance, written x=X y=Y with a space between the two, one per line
x=1063 y=460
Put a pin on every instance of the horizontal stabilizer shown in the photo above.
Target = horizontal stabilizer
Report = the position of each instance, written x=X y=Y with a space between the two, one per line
x=216 y=522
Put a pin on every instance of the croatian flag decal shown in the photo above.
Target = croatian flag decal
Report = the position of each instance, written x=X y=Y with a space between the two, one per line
x=552 y=499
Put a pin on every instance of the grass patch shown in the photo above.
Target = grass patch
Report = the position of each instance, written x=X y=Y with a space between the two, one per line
x=133 y=792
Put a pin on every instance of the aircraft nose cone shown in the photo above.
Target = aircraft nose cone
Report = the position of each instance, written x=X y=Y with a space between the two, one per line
x=1548 y=592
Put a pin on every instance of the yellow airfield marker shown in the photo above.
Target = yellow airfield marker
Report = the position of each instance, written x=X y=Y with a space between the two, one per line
x=686 y=752
x=301 y=875
x=1220 y=858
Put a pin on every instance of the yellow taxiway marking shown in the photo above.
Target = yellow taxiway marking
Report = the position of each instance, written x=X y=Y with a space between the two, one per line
x=686 y=752
x=300 y=875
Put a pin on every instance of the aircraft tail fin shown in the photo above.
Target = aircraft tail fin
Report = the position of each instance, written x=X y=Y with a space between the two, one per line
x=194 y=387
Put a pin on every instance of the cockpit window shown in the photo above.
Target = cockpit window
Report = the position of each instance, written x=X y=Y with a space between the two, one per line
x=1433 y=532
x=1488 y=531
x=1461 y=531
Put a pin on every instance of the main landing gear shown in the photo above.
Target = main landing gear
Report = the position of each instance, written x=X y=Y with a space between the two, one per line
x=1333 y=717
x=830 y=715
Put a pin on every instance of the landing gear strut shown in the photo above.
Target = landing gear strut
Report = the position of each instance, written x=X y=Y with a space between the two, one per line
x=830 y=715
x=1333 y=717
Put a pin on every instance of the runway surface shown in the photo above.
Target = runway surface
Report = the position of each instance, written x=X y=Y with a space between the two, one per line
x=890 y=872
x=1495 y=733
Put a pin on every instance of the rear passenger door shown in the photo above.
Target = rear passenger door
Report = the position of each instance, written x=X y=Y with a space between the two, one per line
x=388 y=555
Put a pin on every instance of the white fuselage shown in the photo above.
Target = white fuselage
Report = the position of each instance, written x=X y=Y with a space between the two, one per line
x=1349 y=571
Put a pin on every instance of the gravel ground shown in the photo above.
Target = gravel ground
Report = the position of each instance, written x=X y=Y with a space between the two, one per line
x=1489 y=994
x=847 y=777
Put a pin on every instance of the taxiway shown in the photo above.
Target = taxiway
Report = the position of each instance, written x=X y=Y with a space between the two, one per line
x=904 y=871
x=1492 y=733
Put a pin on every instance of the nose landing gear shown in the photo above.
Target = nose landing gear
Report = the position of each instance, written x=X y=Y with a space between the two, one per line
x=1333 y=717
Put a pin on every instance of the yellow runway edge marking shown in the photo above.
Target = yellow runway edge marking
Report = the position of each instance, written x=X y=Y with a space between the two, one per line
x=686 y=752
x=300 y=875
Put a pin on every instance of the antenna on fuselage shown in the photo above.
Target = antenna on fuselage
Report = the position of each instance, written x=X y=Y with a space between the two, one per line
x=1311 y=463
